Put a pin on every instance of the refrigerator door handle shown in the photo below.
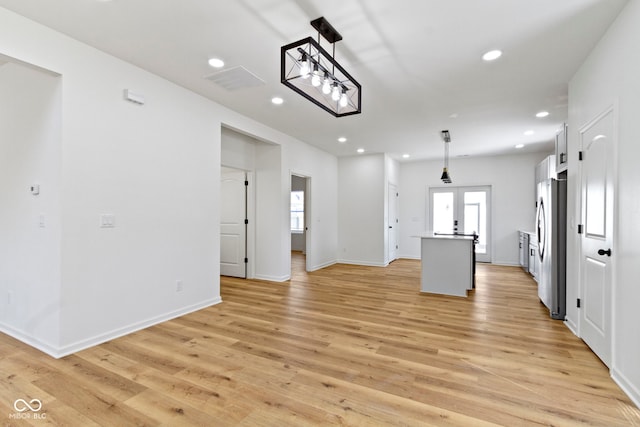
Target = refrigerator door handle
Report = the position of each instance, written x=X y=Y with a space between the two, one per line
x=541 y=229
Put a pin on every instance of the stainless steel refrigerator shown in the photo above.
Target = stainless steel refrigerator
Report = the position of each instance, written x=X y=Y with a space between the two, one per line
x=551 y=223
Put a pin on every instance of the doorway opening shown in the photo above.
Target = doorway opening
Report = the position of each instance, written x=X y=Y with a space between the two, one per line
x=299 y=222
x=392 y=223
x=465 y=210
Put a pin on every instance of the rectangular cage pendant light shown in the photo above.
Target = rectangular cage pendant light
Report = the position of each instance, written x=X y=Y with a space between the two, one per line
x=308 y=69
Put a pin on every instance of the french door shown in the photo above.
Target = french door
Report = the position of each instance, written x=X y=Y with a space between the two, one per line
x=464 y=210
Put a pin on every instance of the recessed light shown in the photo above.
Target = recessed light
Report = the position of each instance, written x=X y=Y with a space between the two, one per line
x=360 y=150
x=406 y=156
x=542 y=114
x=453 y=115
x=528 y=132
x=342 y=140
x=492 y=55
x=216 y=62
x=519 y=146
x=276 y=100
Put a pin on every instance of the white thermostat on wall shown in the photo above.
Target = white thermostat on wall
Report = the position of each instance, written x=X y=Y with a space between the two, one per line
x=35 y=189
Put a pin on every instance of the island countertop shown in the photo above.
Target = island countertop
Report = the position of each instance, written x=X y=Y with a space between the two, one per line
x=433 y=235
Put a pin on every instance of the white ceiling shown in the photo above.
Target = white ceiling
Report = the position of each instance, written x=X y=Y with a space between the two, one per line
x=418 y=61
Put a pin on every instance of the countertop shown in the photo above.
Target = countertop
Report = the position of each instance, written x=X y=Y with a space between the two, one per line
x=432 y=235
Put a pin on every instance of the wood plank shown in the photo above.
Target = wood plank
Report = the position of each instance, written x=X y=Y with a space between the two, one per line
x=91 y=402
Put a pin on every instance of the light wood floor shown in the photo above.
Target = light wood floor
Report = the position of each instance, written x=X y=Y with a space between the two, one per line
x=344 y=345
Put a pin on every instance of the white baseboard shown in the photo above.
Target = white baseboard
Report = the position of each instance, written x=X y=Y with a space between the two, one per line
x=272 y=278
x=409 y=257
x=504 y=263
x=321 y=266
x=573 y=327
x=365 y=263
x=501 y=263
x=627 y=386
x=58 y=352
x=34 y=342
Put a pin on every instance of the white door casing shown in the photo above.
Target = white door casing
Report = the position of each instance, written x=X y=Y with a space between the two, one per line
x=598 y=147
x=392 y=226
x=233 y=230
x=308 y=218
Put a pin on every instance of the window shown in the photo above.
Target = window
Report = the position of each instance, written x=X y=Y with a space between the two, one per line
x=297 y=211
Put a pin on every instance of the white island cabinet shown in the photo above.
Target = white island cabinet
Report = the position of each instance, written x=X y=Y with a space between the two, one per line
x=447 y=264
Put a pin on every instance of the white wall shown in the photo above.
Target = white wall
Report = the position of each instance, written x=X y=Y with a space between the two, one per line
x=511 y=178
x=237 y=150
x=155 y=167
x=271 y=210
x=252 y=146
x=608 y=77
x=321 y=168
x=361 y=230
x=30 y=120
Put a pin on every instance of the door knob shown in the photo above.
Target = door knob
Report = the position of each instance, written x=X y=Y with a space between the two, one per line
x=603 y=252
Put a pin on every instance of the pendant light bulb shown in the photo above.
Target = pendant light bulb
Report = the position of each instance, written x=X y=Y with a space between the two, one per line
x=335 y=93
x=305 y=69
x=315 y=78
x=344 y=100
x=326 y=85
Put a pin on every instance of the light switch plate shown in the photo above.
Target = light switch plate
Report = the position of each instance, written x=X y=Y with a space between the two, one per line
x=107 y=221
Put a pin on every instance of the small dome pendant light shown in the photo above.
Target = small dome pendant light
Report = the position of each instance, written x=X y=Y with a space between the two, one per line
x=445 y=177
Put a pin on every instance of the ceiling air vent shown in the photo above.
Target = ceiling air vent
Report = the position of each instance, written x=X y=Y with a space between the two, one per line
x=235 y=78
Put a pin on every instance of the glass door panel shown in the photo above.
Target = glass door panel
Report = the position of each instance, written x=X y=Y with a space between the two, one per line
x=443 y=212
x=475 y=217
x=464 y=210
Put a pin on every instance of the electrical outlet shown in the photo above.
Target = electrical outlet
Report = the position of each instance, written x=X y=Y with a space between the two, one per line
x=178 y=285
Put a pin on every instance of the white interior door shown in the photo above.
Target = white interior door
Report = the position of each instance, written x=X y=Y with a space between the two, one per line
x=463 y=210
x=393 y=222
x=233 y=230
x=597 y=239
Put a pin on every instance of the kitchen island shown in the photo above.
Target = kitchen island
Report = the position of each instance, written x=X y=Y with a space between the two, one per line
x=448 y=263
